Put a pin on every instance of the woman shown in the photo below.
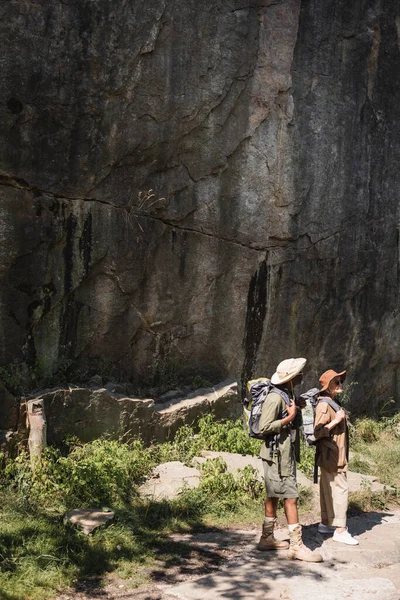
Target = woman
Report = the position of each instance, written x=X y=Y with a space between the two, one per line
x=331 y=434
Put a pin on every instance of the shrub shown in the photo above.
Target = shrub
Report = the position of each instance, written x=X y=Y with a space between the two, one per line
x=225 y=436
x=366 y=500
x=224 y=491
x=97 y=473
x=228 y=436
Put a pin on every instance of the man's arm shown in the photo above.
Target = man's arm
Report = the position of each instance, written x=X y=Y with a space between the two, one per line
x=271 y=420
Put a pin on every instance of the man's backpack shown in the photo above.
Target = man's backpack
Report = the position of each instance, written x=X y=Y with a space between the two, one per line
x=312 y=398
x=257 y=391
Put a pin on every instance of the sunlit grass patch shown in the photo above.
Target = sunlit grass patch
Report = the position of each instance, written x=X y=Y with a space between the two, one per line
x=377 y=449
x=366 y=500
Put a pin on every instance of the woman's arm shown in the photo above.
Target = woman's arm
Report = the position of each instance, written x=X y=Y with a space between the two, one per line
x=324 y=423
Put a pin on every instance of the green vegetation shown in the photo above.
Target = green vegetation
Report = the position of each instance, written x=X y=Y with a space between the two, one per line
x=40 y=555
x=376 y=448
x=307 y=455
x=345 y=396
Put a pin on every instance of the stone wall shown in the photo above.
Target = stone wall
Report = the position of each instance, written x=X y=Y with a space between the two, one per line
x=267 y=132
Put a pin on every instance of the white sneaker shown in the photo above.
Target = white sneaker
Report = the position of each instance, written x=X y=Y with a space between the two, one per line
x=345 y=538
x=325 y=528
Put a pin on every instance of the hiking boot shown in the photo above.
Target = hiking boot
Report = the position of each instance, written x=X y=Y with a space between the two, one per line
x=298 y=550
x=267 y=540
x=325 y=528
x=345 y=538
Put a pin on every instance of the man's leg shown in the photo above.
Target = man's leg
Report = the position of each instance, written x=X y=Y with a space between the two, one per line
x=291 y=512
x=297 y=549
x=271 y=505
x=267 y=539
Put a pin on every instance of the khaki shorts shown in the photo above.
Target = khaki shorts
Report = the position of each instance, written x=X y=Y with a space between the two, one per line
x=277 y=486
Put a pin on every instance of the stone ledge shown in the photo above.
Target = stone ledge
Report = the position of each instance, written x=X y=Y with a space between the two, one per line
x=89 y=413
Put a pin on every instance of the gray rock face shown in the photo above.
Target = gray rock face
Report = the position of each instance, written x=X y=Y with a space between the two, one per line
x=267 y=133
x=9 y=409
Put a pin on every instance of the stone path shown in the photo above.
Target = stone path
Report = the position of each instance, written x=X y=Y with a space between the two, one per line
x=89 y=519
x=369 y=571
x=224 y=565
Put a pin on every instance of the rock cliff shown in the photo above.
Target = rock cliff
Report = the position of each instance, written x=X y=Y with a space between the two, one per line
x=204 y=186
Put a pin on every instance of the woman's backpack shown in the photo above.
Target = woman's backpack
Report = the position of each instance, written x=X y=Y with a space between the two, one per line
x=312 y=398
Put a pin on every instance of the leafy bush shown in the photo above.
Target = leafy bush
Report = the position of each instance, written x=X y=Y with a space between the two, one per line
x=225 y=436
x=98 y=473
x=228 y=436
x=198 y=382
x=366 y=500
x=223 y=491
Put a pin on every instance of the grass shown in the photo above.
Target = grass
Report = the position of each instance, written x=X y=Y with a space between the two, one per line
x=366 y=500
x=376 y=445
x=376 y=451
x=41 y=556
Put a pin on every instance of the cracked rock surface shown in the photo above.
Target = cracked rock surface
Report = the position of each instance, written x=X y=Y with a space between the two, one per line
x=268 y=134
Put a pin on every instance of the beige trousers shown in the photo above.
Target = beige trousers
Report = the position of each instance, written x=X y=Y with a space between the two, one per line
x=334 y=498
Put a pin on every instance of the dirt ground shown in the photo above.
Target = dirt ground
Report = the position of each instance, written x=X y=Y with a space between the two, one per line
x=200 y=554
x=204 y=556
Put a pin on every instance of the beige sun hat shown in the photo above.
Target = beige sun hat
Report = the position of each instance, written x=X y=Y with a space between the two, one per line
x=287 y=369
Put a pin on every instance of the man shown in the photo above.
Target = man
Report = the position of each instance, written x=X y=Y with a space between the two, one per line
x=278 y=425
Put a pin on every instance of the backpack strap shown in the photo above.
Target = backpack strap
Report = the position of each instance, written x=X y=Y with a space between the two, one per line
x=329 y=401
x=273 y=441
x=282 y=394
